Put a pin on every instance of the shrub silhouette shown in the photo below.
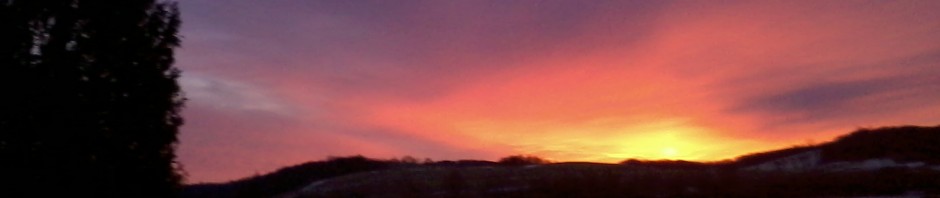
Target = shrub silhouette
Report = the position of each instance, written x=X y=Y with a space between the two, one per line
x=90 y=103
x=518 y=160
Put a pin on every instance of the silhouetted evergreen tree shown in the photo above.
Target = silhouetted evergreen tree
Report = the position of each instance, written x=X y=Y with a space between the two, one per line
x=89 y=104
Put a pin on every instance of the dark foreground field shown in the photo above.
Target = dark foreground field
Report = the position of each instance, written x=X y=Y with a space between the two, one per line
x=606 y=180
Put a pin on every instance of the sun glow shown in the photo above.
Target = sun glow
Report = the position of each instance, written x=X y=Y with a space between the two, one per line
x=677 y=141
x=669 y=152
x=616 y=140
x=664 y=144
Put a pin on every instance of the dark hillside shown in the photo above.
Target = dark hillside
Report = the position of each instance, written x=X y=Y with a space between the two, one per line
x=611 y=180
x=905 y=144
x=902 y=144
x=756 y=158
x=289 y=178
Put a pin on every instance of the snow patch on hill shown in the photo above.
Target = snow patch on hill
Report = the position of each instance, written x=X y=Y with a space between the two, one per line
x=793 y=163
x=812 y=160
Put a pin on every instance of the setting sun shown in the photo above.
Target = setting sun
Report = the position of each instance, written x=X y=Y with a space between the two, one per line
x=673 y=141
x=601 y=140
x=669 y=152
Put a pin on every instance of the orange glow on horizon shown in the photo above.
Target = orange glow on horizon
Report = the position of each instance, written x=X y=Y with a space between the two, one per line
x=579 y=109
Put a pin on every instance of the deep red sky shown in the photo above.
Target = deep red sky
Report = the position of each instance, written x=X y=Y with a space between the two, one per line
x=279 y=82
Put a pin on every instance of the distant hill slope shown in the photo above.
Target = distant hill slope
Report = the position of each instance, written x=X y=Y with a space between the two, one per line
x=294 y=177
x=915 y=150
x=288 y=178
x=905 y=144
x=891 y=145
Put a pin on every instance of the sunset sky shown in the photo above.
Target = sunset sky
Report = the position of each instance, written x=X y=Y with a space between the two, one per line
x=280 y=82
